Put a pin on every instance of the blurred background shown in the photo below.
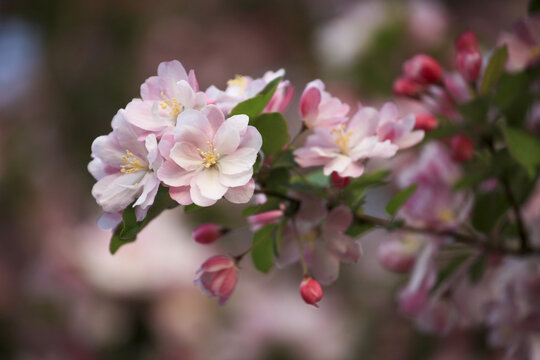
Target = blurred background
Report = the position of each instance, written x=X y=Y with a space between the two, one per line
x=67 y=66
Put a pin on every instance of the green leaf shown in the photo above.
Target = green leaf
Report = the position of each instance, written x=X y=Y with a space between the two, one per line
x=400 y=199
x=278 y=238
x=475 y=110
x=284 y=159
x=357 y=229
x=130 y=225
x=274 y=132
x=494 y=69
x=116 y=242
x=524 y=147
x=262 y=250
x=488 y=208
x=277 y=180
x=318 y=178
x=534 y=7
x=253 y=107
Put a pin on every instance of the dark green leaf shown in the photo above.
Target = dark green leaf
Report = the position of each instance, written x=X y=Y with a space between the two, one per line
x=253 y=107
x=477 y=269
x=278 y=238
x=274 y=132
x=524 y=147
x=284 y=159
x=488 y=208
x=277 y=179
x=318 y=178
x=534 y=7
x=191 y=208
x=306 y=188
x=513 y=97
x=475 y=110
x=262 y=250
x=400 y=199
x=357 y=229
x=494 y=69
x=449 y=269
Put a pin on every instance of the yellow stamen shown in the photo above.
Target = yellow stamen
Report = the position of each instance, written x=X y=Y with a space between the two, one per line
x=240 y=81
x=174 y=105
x=210 y=157
x=132 y=163
x=535 y=51
x=446 y=215
x=309 y=238
x=342 y=138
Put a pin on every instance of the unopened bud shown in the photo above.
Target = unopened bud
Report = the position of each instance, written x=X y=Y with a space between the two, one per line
x=469 y=64
x=461 y=148
x=208 y=233
x=405 y=87
x=340 y=182
x=467 y=41
x=426 y=122
x=311 y=291
x=423 y=69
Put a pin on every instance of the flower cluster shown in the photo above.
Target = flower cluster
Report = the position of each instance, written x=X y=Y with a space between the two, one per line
x=464 y=173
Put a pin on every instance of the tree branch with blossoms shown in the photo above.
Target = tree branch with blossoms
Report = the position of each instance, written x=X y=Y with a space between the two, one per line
x=464 y=172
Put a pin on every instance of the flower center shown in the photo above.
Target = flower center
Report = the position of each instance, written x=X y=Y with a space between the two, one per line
x=445 y=215
x=210 y=157
x=342 y=138
x=240 y=81
x=175 y=107
x=535 y=51
x=132 y=164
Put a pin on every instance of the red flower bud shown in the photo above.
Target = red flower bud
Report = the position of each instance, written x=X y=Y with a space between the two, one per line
x=469 y=64
x=423 y=69
x=311 y=291
x=467 y=41
x=405 y=87
x=340 y=182
x=426 y=122
x=208 y=233
x=461 y=148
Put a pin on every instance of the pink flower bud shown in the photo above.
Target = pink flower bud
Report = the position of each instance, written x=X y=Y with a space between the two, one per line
x=423 y=69
x=257 y=221
x=405 y=87
x=397 y=256
x=311 y=291
x=208 y=233
x=461 y=148
x=467 y=41
x=426 y=122
x=217 y=276
x=340 y=182
x=469 y=64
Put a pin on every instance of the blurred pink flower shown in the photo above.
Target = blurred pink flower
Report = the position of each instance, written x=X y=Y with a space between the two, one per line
x=213 y=156
x=217 y=277
x=523 y=44
x=422 y=69
x=125 y=169
x=399 y=130
x=242 y=88
x=164 y=97
x=400 y=254
x=469 y=59
x=319 y=109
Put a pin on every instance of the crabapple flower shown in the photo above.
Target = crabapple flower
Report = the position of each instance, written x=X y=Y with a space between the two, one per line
x=422 y=69
x=208 y=233
x=320 y=109
x=217 y=277
x=124 y=165
x=434 y=204
x=212 y=157
x=344 y=148
x=399 y=130
x=242 y=88
x=164 y=97
x=523 y=44
x=311 y=291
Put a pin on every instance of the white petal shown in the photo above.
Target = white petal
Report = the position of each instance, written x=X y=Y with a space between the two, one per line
x=241 y=194
x=198 y=198
x=230 y=133
x=208 y=183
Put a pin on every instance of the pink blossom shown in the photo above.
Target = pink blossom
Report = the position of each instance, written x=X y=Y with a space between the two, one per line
x=422 y=69
x=311 y=291
x=523 y=44
x=434 y=204
x=324 y=243
x=344 y=148
x=208 y=233
x=242 y=88
x=217 y=277
x=319 y=109
x=124 y=165
x=399 y=255
x=399 y=130
x=164 y=97
x=212 y=157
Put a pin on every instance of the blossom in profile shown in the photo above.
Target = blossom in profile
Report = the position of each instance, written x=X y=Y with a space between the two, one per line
x=311 y=291
x=124 y=165
x=212 y=157
x=260 y=220
x=242 y=88
x=217 y=277
x=345 y=148
x=164 y=97
x=319 y=109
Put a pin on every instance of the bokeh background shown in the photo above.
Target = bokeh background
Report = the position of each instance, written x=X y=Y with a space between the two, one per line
x=66 y=66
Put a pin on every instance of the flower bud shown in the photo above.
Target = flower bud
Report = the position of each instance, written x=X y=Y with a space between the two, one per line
x=469 y=64
x=257 y=221
x=208 y=233
x=426 y=122
x=217 y=276
x=423 y=69
x=340 y=182
x=311 y=291
x=397 y=256
x=467 y=41
x=405 y=87
x=461 y=148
